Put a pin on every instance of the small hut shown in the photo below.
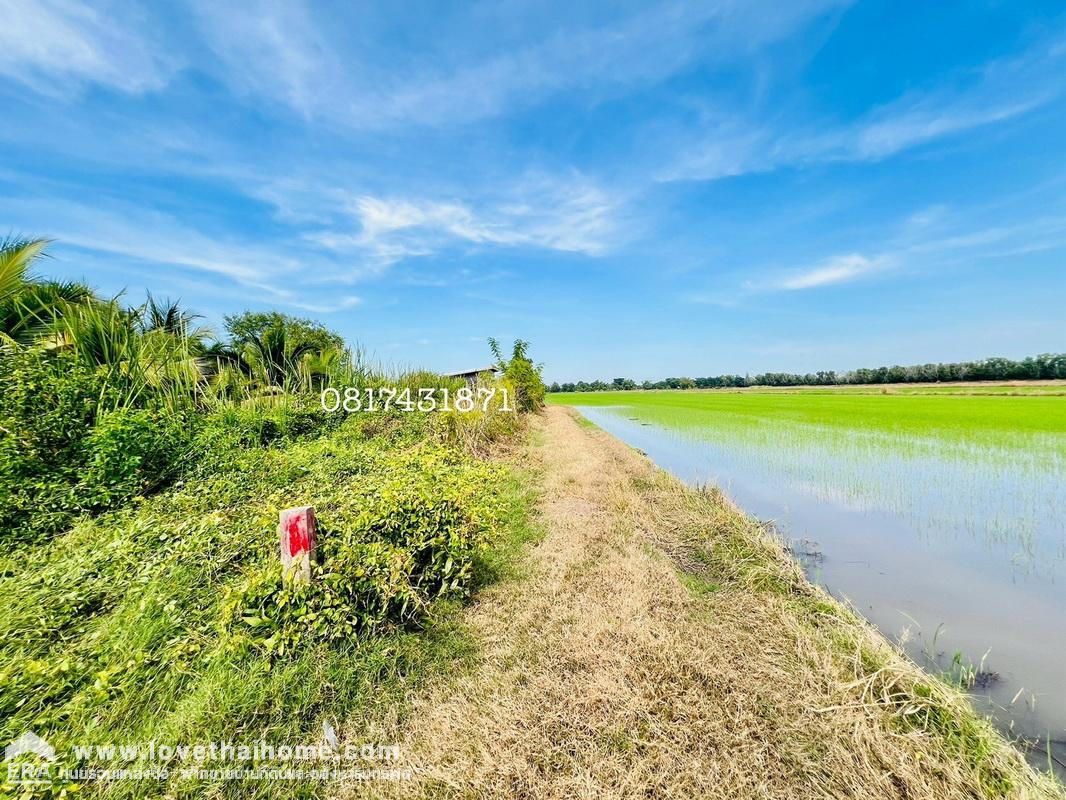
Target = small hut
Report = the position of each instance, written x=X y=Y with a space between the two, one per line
x=471 y=375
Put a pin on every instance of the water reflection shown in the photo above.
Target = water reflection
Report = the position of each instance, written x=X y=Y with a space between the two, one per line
x=950 y=546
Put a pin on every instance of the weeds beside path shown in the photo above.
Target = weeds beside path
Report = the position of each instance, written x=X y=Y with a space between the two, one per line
x=655 y=646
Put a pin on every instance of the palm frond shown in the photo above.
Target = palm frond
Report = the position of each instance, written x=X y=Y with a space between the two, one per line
x=16 y=257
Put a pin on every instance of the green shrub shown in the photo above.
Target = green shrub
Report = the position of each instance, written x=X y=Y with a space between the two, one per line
x=48 y=406
x=229 y=434
x=237 y=426
x=69 y=444
x=63 y=453
x=130 y=452
x=529 y=386
x=522 y=374
x=407 y=532
x=477 y=430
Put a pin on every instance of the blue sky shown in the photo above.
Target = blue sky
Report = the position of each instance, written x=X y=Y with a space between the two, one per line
x=639 y=189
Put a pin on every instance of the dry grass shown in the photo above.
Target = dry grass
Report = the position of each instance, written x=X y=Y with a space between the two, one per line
x=659 y=646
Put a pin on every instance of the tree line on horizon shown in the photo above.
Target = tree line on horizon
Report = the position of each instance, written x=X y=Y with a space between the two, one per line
x=1046 y=366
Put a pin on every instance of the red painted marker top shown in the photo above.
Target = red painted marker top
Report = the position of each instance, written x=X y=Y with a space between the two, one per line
x=299 y=541
x=298 y=535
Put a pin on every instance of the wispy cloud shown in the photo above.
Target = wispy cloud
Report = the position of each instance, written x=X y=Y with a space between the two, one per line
x=284 y=52
x=839 y=269
x=278 y=50
x=895 y=130
x=560 y=214
x=577 y=220
x=335 y=238
x=636 y=49
x=834 y=270
x=271 y=270
x=731 y=144
x=1031 y=235
x=53 y=45
x=927 y=239
x=342 y=304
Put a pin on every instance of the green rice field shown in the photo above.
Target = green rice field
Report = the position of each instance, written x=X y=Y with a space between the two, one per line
x=939 y=512
x=948 y=411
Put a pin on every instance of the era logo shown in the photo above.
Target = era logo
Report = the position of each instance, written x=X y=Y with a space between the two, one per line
x=24 y=771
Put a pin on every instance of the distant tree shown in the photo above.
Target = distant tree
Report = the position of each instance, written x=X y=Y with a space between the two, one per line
x=1042 y=367
x=243 y=328
x=166 y=317
x=523 y=374
x=279 y=350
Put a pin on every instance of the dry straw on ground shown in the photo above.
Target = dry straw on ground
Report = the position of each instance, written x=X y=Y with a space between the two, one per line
x=658 y=645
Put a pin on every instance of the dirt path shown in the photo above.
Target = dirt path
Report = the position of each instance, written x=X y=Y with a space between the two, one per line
x=606 y=671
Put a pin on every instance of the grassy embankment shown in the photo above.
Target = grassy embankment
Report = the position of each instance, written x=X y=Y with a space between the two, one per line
x=659 y=644
x=655 y=642
x=144 y=466
x=167 y=621
x=143 y=463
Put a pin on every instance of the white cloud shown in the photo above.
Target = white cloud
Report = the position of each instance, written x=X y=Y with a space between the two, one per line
x=50 y=45
x=637 y=49
x=349 y=301
x=380 y=218
x=277 y=49
x=921 y=123
x=281 y=272
x=730 y=144
x=839 y=269
x=831 y=271
x=339 y=239
x=286 y=51
x=927 y=240
x=878 y=136
x=561 y=214
x=570 y=219
x=1030 y=235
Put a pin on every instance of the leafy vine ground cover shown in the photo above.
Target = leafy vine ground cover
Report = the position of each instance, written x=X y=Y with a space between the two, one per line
x=167 y=620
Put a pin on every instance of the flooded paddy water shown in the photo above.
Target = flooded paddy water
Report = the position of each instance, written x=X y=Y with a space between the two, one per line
x=942 y=519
